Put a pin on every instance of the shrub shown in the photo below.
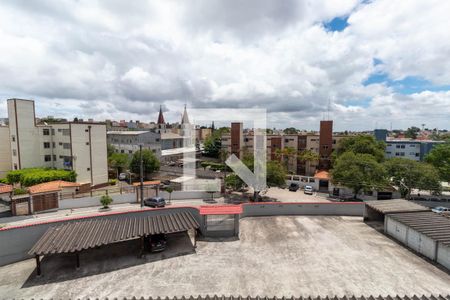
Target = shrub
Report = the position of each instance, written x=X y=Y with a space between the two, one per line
x=4 y=180
x=106 y=200
x=19 y=191
x=32 y=176
x=112 y=181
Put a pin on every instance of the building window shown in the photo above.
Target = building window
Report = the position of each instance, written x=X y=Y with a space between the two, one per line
x=86 y=130
x=47 y=158
x=53 y=131
x=88 y=169
x=46 y=131
x=46 y=145
x=66 y=145
x=417 y=154
x=53 y=144
x=14 y=152
x=87 y=143
x=13 y=138
x=129 y=151
x=54 y=157
x=122 y=151
x=66 y=132
x=15 y=166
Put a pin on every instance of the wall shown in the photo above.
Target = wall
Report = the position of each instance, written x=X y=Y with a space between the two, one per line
x=5 y=151
x=443 y=255
x=184 y=195
x=83 y=152
x=326 y=209
x=21 y=240
x=95 y=201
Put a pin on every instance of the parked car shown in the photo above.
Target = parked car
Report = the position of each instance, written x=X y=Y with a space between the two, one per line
x=157 y=242
x=308 y=190
x=441 y=210
x=155 y=202
x=293 y=187
x=123 y=176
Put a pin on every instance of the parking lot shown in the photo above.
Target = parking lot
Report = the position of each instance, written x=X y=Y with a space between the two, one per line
x=280 y=256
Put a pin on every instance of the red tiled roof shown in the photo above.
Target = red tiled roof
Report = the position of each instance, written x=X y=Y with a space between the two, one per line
x=221 y=210
x=51 y=186
x=152 y=182
x=5 y=188
x=322 y=175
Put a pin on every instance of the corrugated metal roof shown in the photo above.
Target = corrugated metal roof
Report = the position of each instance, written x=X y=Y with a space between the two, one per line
x=215 y=297
x=72 y=237
x=395 y=206
x=433 y=225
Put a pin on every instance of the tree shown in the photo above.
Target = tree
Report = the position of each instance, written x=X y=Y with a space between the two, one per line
x=285 y=155
x=430 y=180
x=408 y=174
x=276 y=174
x=412 y=132
x=106 y=200
x=118 y=161
x=110 y=149
x=361 y=144
x=212 y=145
x=439 y=157
x=308 y=156
x=290 y=130
x=150 y=162
x=169 y=189
x=360 y=172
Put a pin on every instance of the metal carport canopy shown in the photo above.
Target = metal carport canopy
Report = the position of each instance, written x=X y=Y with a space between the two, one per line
x=77 y=236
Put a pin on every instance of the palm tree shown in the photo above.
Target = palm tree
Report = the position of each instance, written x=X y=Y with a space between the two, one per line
x=308 y=156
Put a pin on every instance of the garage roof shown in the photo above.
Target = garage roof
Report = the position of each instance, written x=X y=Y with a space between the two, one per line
x=395 y=206
x=72 y=237
x=433 y=225
x=396 y=297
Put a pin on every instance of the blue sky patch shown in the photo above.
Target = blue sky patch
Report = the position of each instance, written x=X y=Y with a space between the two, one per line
x=337 y=24
x=407 y=85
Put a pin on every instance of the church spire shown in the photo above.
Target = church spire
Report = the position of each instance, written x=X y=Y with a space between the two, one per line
x=160 y=116
x=185 y=118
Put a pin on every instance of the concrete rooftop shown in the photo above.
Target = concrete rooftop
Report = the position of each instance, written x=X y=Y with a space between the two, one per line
x=275 y=256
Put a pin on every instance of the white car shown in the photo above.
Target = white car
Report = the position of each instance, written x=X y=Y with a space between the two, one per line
x=122 y=176
x=309 y=190
x=441 y=210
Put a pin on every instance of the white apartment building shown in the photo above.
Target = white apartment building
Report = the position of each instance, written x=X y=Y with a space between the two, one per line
x=128 y=141
x=76 y=146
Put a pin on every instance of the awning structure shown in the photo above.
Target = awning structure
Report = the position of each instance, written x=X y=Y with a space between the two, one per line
x=395 y=206
x=78 y=236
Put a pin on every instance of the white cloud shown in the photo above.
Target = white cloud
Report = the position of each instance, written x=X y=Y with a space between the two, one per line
x=107 y=59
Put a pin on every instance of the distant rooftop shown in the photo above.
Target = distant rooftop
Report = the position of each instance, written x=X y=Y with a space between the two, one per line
x=129 y=132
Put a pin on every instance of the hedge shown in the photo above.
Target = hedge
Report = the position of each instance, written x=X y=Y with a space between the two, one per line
x=32 y=176
x=215 y=166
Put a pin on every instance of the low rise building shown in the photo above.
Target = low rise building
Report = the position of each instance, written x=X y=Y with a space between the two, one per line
x=77 y=146
x=239 y=141
x=405 y=148
x=128 y=141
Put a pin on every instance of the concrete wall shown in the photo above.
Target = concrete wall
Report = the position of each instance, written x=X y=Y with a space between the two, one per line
x=95 y=201
x=443 y=255
x=21 y=240
x=5 y=151
x=183 y=195
x=280 y=209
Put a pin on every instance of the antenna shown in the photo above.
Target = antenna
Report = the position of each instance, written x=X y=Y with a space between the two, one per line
x=328 y=109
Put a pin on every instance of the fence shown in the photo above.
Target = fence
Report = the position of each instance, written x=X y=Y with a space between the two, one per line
x=111 y=190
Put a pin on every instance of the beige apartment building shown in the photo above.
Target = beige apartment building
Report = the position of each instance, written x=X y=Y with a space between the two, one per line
x=76 y=146
x=236 y=142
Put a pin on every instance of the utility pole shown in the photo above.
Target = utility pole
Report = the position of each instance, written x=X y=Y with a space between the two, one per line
x=141 y=171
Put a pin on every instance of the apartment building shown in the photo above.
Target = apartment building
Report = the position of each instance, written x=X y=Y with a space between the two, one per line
x=237 y=142
x=128 y=141
x=405 y=148
x=77 y=146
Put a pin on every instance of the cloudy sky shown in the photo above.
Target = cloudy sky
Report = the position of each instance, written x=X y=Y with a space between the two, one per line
x=370 y=62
